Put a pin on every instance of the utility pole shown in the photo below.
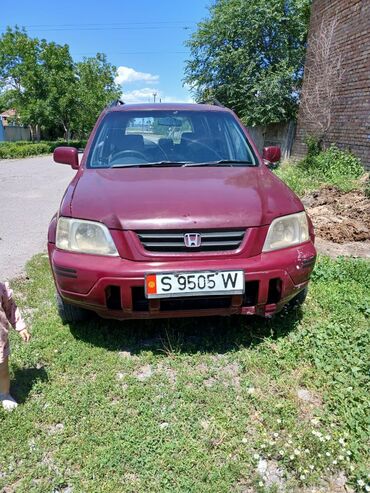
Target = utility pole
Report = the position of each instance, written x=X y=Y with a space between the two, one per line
x=154 y=96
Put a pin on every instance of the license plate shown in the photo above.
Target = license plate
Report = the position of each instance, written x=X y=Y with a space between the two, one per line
x=169 y=285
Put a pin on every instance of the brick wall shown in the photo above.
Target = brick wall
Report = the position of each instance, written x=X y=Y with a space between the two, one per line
x=350 y=126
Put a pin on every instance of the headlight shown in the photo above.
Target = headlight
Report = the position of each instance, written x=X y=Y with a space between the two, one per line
x=287 y=231
x=77 y=235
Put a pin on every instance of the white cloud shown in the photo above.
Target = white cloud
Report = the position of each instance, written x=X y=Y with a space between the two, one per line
x=139 y=95
x=128 y=74
x=172 y=99
x=145 y=95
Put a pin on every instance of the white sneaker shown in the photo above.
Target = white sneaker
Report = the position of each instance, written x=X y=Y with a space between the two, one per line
x=8 y=403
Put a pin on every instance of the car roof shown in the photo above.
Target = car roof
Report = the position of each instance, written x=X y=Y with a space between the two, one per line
x=167 y=106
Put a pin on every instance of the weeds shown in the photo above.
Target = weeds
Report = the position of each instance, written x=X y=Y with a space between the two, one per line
x=333 y=167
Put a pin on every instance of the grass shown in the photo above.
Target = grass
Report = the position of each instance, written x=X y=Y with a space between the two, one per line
x=304 y=180
x=332 y=167
x=191 y=405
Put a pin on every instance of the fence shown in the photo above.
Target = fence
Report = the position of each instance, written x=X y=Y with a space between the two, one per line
x=13 y=134
x=275 y=134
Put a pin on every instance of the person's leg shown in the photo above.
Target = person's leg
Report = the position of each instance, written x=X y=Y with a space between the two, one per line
x=6 y=399
x=4 y=377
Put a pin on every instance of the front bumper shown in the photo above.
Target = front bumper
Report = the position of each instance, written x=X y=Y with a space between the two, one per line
x=114 y=287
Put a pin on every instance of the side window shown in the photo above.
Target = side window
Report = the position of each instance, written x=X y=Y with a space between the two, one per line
x=98 y=158
x=237 y=144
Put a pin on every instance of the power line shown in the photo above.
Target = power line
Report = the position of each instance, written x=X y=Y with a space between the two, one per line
x=136 y=53
x=107 y=24
x=129 y=26
x=154 y=28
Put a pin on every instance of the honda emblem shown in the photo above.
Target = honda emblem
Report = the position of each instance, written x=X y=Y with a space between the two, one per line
x=192 y=240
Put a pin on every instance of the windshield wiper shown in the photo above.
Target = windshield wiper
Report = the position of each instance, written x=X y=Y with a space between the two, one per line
x=230 y=162
x=150 y=165
x=185 y=164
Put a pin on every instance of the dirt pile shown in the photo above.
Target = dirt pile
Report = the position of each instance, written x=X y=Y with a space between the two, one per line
x=339 y=217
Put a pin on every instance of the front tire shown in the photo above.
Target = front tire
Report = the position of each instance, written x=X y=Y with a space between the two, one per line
x=71 y=313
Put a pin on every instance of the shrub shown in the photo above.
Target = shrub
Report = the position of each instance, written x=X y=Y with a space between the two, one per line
x=80 y=144
x=313 y=147
x=22 y=150
x=12 y=150
x=335 y=163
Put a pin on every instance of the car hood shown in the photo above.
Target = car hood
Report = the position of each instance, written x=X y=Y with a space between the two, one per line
x=180 y=198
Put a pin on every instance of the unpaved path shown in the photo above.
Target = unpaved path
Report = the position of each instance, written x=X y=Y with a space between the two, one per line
x=341 y=220
x=30 y=193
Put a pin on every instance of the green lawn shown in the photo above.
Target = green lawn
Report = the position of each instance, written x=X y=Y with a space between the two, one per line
x=193 y=405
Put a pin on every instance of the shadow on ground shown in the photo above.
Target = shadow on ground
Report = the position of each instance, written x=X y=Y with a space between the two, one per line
x=24 y=380
x=186 y=335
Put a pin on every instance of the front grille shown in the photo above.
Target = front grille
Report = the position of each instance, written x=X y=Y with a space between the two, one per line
x=140 y=303
x=196 y=303
x=173 y=241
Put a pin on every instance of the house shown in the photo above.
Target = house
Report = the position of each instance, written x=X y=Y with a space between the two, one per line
x=8 y=117
x=10 y=130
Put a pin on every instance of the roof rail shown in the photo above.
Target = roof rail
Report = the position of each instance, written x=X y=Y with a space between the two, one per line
x=213 y=101
x=116 y=102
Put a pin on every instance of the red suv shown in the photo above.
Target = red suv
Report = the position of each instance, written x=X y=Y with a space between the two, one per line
x=174 y=213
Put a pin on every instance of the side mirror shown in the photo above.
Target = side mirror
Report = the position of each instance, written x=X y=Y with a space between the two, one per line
x=271 y=155
x=66 y=155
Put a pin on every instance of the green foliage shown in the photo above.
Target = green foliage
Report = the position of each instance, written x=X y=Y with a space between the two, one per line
x=191 y=405
x=313 y=147
x=48 y=89
x=94 y=90
x=250 y=56
x=22 y=150
x=331 y=167
x=298 y=178
x=335 y=164
x=13 y=150
x=4 y=104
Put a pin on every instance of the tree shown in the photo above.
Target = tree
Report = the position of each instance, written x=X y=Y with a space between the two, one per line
x=95 y=88
x=250 y=55
x=21 y=76
x=323 y=75
x=4 y=100
x=60 y=81
x=48 y=89
x=38 y=77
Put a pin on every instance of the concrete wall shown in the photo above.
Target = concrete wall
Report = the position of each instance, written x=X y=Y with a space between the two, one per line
x=13 y=134
x=275 y=134
x=350 y=128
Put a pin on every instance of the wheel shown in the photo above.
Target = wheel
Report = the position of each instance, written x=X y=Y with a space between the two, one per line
x=298 y=300
x=71 y=313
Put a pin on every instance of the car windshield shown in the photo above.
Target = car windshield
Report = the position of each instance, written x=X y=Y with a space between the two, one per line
x=169 y=138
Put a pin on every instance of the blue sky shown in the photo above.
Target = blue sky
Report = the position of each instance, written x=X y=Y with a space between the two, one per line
x=144 y=39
